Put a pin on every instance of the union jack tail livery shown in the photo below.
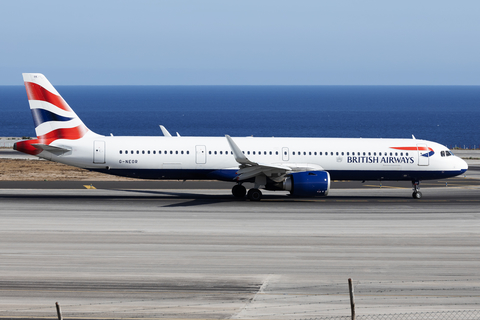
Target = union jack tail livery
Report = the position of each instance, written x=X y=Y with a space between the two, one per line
x=53 y=117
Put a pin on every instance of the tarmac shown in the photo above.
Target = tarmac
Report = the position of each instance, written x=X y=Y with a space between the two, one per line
x=189 y=250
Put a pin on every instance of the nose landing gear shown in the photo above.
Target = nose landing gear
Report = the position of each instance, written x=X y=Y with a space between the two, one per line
x=416 y=190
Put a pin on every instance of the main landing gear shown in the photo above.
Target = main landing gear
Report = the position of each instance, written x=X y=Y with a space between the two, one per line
x=239 y=191
x=416 y=190
x=253 y=194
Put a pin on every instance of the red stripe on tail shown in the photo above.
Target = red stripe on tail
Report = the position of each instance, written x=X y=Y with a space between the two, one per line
x=37 y=92
x=68 y=133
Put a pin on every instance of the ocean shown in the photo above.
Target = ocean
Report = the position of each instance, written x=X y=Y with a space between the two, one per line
x=449 y=115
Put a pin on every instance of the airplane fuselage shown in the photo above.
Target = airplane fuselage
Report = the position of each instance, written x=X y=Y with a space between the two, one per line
x=212 y=158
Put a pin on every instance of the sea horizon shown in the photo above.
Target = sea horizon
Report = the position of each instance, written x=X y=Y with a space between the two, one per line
x=445 y=114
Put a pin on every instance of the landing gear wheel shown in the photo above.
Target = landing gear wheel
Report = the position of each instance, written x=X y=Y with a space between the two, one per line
x=417 y=195
x=254 y=194
x=239 y=191
x=416 y=190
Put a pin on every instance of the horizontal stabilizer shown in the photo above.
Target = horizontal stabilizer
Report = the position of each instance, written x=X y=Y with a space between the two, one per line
x=51 y=149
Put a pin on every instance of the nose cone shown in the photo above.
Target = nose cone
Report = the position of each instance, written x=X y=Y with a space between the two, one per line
x=462 y=165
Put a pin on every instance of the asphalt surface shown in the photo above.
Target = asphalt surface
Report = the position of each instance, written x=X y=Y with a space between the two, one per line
x=200 y=254
x=201 y=185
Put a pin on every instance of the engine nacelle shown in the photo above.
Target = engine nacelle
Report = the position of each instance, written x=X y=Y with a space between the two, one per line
x=308 y=183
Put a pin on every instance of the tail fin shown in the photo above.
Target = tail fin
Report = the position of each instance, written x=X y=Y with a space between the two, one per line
x=53 y=117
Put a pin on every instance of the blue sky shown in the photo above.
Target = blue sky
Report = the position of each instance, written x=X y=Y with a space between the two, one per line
x=241 y=42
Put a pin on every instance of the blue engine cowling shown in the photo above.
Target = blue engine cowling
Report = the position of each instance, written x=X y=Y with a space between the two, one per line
x=308 y=183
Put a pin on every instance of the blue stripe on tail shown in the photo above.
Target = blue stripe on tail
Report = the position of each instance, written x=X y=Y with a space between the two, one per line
x=40 y=116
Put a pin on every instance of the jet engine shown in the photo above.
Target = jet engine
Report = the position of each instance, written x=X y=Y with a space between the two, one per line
x=308 y=183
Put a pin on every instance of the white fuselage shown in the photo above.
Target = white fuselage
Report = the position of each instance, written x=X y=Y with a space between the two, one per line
x=212 y=157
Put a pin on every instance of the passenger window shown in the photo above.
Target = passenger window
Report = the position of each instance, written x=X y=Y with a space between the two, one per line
x=293 y=153
x=304 y=153
x=270 y=152
x=209 y=152
x=310 y=153
x=171 y=151
x=331 y=153
x=154 y=152
x=188 y=152
x=391 y=154
x=138 y=152
x=315 y=153
x=181 y=152
x=120 y=151
x=253 y=152
x=406 y=154
x=364 y=154
x=320 y=153
x=215 y=152
x=248 y=152
x=342 y=153
x=396 y=154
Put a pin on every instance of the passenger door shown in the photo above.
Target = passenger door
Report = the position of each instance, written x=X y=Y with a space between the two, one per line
x=423 y=155
x=98 y=151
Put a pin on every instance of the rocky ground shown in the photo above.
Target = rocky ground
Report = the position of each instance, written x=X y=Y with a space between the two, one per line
x=42 y=170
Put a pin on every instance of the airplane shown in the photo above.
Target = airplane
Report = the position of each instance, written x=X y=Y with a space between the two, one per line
x=303 y=166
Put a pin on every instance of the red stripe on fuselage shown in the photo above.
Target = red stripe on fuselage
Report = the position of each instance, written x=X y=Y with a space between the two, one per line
x=412 y=148
x=37 y=92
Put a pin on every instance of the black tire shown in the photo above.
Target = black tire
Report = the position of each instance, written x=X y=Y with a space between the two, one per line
x=239 y=191
x=254 y=195
x=416 y=195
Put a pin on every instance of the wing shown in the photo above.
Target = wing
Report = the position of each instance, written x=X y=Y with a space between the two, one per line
x=276 y=172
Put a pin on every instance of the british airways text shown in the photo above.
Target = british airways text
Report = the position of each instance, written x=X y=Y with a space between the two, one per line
x=380 y=160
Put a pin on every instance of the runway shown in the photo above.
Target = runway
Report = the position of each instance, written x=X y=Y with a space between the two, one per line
x=201 y=254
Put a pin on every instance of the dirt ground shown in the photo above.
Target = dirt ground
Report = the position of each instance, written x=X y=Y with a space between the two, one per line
x=42 y=170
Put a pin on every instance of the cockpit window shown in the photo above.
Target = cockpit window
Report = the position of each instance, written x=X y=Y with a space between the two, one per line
x=442 y=153
x=448 y=153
